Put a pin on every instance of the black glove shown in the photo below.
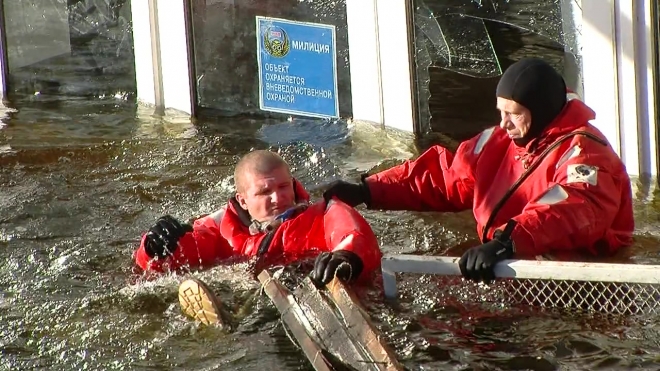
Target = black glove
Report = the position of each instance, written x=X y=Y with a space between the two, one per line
x=346 y=265
x=478 y=263
x=352 y=194
x=163 y=238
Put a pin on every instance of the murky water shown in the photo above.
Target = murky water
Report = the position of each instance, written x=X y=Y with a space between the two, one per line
x=82 y=179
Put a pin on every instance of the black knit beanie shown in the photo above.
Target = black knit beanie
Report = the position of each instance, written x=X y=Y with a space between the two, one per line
x=534 y=84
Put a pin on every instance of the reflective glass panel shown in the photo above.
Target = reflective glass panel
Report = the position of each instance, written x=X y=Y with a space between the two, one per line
x=69 y=47
x=225 y=44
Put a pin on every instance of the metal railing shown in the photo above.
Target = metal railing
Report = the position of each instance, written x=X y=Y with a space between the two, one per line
x=600 y=287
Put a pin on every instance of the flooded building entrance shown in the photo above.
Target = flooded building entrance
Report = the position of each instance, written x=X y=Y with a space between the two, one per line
x=68 y=48
x=462 y=47
x=86 y=169
x=227 y=72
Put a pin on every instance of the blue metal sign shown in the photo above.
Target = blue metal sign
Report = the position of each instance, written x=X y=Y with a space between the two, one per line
x=297 y=67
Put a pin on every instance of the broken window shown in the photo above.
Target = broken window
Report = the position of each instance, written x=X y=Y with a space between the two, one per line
x=462 y=47
x=70 y=47
x=225 y=49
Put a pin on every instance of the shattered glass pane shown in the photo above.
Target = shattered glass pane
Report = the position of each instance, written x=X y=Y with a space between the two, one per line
x=455 y=30
x=459 y=43
x=479 y=38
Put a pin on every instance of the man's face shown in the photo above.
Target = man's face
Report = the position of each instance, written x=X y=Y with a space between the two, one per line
x=267 y=195
x=516 y=119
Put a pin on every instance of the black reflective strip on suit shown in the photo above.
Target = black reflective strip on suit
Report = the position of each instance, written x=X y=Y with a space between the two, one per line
x=265 y=243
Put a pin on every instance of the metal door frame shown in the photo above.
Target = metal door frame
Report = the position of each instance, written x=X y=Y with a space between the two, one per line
x=655 y=71
x=4 y=60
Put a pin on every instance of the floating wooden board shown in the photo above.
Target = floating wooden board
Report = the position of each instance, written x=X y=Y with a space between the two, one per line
x=359 y=326
x=291 y=313
x=330 y=326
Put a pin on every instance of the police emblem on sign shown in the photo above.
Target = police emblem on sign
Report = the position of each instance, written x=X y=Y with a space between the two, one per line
x=276 y=42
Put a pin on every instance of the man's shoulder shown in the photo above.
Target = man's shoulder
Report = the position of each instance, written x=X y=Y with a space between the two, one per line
x=213 y=219
x=589 y=137
x=492 y=138
x=590 y=142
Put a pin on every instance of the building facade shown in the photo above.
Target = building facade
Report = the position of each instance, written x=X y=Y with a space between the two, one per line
x=426 y=66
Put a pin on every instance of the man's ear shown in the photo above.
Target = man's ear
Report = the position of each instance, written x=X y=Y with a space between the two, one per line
x=241 y=201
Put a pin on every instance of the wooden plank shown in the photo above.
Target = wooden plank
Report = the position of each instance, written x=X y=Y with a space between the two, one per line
x=360 y=327
x=331 y=328
x=287 y=306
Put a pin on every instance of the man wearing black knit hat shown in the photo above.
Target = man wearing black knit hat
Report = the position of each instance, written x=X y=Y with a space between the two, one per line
x=544 y=183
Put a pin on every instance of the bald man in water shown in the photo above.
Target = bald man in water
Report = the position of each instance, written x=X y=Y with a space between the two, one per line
x=269 y=220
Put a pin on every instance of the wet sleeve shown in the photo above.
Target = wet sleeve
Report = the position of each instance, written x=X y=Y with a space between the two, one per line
x=202 y=247
x=346 y=229
x=435 y=181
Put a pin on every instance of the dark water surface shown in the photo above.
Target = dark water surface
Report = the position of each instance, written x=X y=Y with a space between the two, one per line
x=83 y=173
x=82 y=179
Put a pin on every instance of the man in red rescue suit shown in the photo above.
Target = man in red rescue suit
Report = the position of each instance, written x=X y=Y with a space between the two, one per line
x=544 y=183
x=270 y=219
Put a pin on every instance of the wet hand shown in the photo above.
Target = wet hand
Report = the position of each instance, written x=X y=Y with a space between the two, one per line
x=352 y=194
x=343 y=264
x=478 y=263
x=163 y=238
